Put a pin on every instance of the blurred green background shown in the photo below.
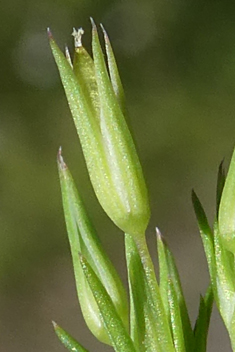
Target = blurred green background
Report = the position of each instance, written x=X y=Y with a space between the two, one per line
x=177 y=62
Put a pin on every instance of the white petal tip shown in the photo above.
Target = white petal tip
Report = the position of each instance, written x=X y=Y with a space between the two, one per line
x=158 y=233
x=77 y=34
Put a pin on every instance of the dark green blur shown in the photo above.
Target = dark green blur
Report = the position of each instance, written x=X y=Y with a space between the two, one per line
x=177 y=63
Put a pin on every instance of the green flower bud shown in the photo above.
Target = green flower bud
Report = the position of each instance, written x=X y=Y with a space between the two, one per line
x=227 y=209
x=83 y=239
x=97 y=105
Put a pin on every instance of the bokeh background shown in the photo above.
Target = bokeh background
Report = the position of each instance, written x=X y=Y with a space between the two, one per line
x=177 y=62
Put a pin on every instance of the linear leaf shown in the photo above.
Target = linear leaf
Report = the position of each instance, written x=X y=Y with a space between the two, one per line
x=220 y=185
x=83 y=238
x=161 y=324
x=168 y=269
x=118 y=334
x=207 y=239
x=163 y=272
x=67 y=340
x=203 y=321
x=175 y=316
x=142 y=323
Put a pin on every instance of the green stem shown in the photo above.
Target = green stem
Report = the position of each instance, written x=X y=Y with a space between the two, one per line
x=162 y=325
x=147 y=263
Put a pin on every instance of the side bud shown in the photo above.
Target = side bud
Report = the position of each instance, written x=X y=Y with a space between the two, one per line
x=83 y=239
x=226 y=219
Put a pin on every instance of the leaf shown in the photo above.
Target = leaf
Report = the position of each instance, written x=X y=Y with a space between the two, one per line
x=118 y=334
x=153 y=312
x=168 y=271
x=220 y=186
x=207 y=238
x=67 y=340
x=142 y=321
x=83 y=238
x=203 y=321
x=175 y=317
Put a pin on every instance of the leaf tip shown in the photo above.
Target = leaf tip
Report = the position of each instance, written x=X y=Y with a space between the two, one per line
x=49 y=33
x=55 y=326
x=158 y=234
x=68 y=57
x=94 y=28
x=106 y=38
x=194 y=196
x=60 y=160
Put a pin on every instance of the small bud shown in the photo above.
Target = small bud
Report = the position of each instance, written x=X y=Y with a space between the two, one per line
x=83 y=239
x=97 y=107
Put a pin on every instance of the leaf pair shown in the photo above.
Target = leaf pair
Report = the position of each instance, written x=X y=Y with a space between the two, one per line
x=149 y=327
x=163 y=325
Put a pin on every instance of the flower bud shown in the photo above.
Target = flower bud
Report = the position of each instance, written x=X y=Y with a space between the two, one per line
x=97 y=106
x=83 y=239
x=227 y=209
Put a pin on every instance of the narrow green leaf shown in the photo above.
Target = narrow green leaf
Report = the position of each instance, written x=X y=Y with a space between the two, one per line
x=201 y=215
x=142 y=321
x=175 y=316
x=168 y=269
x=163 y=272
x=207 y=239
x=220 y=186
x=83 y=238
x=174 y=275
x=118 y=334
x=209 y=300
x=203 y=321
x=136 y=291
x=67 y=340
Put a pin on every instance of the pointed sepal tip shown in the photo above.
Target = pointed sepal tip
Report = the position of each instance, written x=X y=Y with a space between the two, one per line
x=49 y=33
x=60 y=160
x=94 y=28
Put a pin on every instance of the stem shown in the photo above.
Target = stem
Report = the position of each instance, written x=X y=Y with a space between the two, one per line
x=147 y=263
x=162 y=325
